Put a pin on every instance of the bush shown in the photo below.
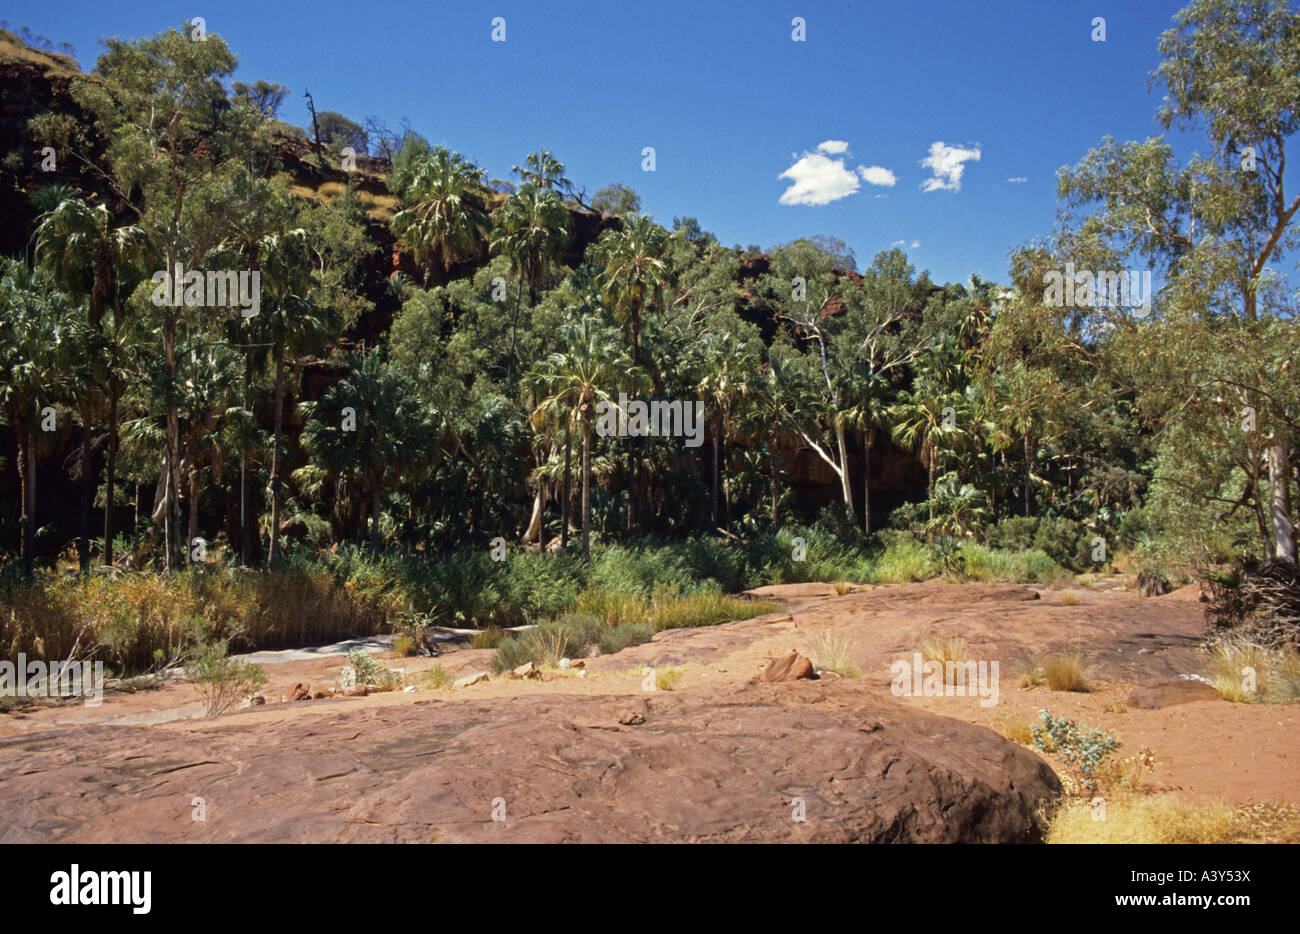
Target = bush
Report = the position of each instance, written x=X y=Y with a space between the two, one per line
x=617 y=638
x=222 y=681
x=1061 y=539
x=372 y=672
x=1081 y=750
x=569 y=636
x=1014 y=534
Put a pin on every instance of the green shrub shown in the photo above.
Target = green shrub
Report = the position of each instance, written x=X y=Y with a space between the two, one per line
x=1061 y=539
x=221 y=681
x=617 y=638
x=1082 y=750
x=1014 y=534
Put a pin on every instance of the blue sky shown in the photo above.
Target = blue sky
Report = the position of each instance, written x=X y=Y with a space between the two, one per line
x=726 y=98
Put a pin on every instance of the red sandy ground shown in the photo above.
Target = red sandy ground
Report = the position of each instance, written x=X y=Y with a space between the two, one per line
x=1243 y=753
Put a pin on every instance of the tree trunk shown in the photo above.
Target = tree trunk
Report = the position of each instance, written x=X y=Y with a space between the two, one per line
x=866 y=482
x=586 y=484
x=273 y=553
x=1029 y=459
x=110 y=470
x=87 y=500
x=716 y=472
x=1279 y=483
x=27 y=483
x=845 y=488
x=564 y=504
x=775 y=470
x=192 y=494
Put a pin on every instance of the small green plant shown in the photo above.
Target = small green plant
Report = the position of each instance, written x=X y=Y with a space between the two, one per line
x=412 y=633
x=667 y=679
x=222 y=681
x=438 y=677
x=371 y=672
x=1081 y=750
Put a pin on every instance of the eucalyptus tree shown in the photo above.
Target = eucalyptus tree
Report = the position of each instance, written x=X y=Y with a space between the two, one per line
x=172 y=144
x=1218 y=226
x=856 y=335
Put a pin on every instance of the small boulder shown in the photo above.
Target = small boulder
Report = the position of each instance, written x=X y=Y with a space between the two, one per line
x=470 y=680
x=527 y=670
x=256 y=700
x=299 y=691
x=631 y=718
x=1166 y=692
x=789 y=667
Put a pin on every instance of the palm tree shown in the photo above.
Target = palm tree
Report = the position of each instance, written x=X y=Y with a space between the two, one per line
x=870 y=412
x=578 y=376
x=374 y=444
x=97 y=260
x=292 y=325
x=444 y=214
x=920 y=423
x=634 y=277
x=727 y=371
x=33 y=370
x=532 y=230
x=543 y=170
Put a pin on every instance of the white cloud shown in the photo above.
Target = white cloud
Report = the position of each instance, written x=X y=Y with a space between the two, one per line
x=1019 y=179
x=947 y=163
x=877 y=175
x=915 y=244
x=822 y=175
x=899 y=243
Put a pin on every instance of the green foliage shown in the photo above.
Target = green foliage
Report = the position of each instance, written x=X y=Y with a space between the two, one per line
x=1083 y=751
x=221 y=681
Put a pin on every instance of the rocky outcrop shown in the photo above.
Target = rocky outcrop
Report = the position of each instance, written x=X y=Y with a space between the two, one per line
x=808 y=761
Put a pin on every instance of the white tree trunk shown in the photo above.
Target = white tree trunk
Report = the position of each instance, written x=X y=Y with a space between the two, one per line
x=1279 y=479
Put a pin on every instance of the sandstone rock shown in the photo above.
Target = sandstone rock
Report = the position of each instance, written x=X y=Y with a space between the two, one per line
x=321 y=694
x=299 y=691
x=256 y=700
x=527 y=670
x=789 y=667
x=715 y=766
x=357 y=690
x=470 y=680
x=631 y=718
x=1166 y=692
